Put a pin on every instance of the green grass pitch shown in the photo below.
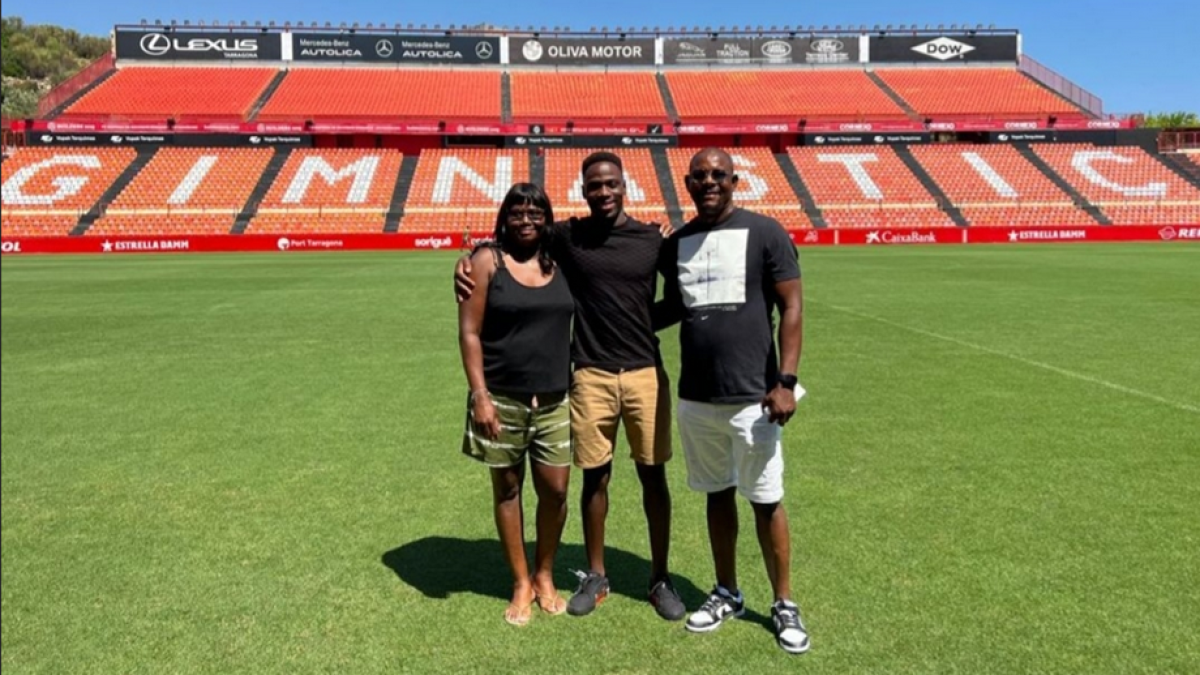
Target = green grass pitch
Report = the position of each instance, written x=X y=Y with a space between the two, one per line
x=250 y=464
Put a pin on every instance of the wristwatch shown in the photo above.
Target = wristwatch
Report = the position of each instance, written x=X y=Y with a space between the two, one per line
x=788 y=380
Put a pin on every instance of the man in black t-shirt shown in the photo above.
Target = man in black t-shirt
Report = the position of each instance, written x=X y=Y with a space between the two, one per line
x=725 y=272
x=611 y=262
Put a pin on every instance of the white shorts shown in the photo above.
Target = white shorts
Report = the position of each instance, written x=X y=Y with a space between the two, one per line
x=734 y=445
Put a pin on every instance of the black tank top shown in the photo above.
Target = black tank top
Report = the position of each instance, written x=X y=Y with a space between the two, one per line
x=526 y=334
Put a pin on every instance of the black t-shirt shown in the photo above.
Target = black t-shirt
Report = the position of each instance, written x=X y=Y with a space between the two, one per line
x=721 y=281
x=613 y=273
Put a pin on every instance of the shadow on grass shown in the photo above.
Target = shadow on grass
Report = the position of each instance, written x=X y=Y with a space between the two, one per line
x=442 y=566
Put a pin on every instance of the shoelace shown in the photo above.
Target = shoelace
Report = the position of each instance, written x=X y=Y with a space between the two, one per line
x=714 y=602
x=584 y=577
x=789 y=617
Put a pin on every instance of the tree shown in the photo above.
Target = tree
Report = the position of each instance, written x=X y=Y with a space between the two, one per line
x=1172 y=120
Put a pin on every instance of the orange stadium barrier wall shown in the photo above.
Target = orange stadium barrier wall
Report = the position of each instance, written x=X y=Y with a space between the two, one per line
x=286 y=243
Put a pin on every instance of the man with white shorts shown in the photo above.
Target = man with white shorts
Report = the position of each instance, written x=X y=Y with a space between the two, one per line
x=726 y=271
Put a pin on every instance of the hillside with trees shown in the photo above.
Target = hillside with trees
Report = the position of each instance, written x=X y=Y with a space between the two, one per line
x=37 y=58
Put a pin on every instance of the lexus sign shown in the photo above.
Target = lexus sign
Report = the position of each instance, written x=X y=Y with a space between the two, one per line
x=198 y=46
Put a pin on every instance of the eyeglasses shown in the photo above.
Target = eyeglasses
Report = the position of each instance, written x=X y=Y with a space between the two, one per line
x=718 y=175
x=534 y=215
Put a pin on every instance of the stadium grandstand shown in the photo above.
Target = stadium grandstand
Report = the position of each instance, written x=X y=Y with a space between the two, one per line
x=231 y=130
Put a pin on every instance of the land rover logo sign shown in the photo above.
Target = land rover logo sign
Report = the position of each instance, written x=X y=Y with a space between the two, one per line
x=384 y=48
x=483 y=50
x=776 y=50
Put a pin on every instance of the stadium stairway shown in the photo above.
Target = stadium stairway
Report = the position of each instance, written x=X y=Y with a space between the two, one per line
x=1091 y=209
x=537 y=167
x=260 y=190
x=1182 y=167
x=896 y=98
x=266 y=94
x=62 y=107
x=931 y=185
x=404 y=179
x=662 y=168
x=665 y=92
x=144 y=155
x=801 y=189
x=506 y=98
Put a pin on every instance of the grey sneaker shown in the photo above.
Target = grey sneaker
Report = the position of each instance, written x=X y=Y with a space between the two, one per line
x=789 y=629
x=666 y=600
x=720 y=606
x=593 y=589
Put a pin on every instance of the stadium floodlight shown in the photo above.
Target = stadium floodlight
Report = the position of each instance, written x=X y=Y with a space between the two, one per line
x=592 y=29
x=941 y=26
x=173 y=23
x=158 y=22
x=410 y=26
x=200 y=23
x=287 y=25
x=646 y=29
x=953 y=26
x=143 y=22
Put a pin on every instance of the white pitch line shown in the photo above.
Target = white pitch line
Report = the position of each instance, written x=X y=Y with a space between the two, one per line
x=1020 y=359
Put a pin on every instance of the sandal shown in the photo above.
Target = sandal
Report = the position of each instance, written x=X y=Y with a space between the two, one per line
x=552 y=604
x=518 y=615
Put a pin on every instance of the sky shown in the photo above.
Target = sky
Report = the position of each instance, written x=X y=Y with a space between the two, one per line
x=1138 y=56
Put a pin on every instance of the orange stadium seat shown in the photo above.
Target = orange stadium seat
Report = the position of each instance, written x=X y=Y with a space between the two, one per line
x=175 y=92
x=643 y=196
x=186 y=191
x=543 y=97
x=787 y=94
x=338 y=190
x=1117 y=176
x=761 y=186
x=461 y=190
x=46 y=190
x=1154 y=214
x=430 y=94
x=996 y=185
x=971 y=91
x=866 y=187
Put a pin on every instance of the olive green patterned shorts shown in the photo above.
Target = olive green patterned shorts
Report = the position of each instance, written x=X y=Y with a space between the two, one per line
x=543 y=432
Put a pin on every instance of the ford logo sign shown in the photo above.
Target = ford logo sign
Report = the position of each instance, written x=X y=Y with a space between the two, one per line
x=828 y=46
x=776 y=49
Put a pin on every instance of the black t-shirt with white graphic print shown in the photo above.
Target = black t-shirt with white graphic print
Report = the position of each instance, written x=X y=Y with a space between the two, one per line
x=721 y=281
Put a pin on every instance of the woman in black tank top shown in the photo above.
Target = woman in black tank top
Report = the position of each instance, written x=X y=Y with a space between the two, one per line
x=515 y=338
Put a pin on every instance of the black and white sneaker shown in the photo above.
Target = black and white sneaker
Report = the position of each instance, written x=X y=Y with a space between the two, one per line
x=720 y=605
x=789 y=628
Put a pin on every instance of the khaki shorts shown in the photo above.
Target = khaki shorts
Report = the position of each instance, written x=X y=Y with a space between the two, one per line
x=601 y=400
x=543 y=432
